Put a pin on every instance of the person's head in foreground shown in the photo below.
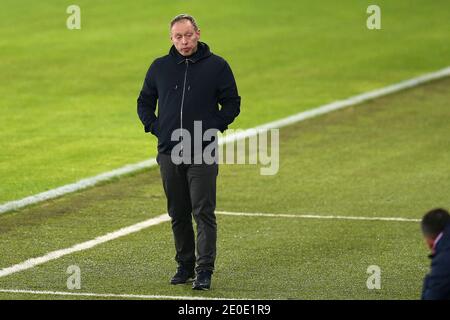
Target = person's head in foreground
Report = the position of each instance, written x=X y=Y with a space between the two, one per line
x=434 y=223
x=436 y=231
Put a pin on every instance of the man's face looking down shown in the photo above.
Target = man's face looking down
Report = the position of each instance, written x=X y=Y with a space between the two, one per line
x=184 y=37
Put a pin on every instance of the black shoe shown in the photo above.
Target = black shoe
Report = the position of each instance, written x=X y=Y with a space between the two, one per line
x=202 y=281
x=182 y=276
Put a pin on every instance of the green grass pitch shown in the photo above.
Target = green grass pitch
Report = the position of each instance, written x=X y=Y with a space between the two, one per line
x=68 y=97
x=385 y=158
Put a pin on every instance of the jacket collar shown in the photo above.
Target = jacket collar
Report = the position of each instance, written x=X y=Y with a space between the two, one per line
x=442 y=241
x=201 y=53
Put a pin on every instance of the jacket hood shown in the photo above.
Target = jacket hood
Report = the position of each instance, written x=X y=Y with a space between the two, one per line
x=201 y=53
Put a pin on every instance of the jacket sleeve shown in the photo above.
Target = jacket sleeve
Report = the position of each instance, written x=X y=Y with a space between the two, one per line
x=437 y=283
x=146 y=102
x=228 y=98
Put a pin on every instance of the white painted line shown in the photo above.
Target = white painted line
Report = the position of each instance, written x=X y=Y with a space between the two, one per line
x=73 y=187
x=88 y=182
x=354 y=100
x=111 y=295
x=30 y=263
x=311 y=216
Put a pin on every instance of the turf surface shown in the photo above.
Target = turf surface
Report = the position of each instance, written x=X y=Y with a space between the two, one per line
x=384 y=158
x=68 y=98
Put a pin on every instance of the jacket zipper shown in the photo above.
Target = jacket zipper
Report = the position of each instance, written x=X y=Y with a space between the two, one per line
x=182 y=104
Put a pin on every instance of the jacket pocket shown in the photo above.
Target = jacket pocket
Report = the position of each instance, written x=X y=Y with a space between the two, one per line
x=216 y=122
x=155 y=128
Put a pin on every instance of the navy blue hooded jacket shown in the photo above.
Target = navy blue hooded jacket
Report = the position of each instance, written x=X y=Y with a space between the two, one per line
x=187 y=89
x=437 y=283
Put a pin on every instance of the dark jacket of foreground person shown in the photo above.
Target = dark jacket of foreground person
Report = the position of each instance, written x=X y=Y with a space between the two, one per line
x=437 y=282
x=188 y=89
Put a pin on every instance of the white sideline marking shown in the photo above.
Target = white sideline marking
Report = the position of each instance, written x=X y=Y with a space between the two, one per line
x=69 y=188
x=112 y=295
x=30 y=263
x=340 y=104
x=312 y=216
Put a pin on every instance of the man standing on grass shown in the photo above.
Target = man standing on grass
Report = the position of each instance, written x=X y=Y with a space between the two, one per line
x=189 y=84
x=436 y=230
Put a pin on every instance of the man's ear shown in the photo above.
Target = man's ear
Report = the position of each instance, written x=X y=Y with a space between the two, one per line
x=430 y=242
x=198 y=33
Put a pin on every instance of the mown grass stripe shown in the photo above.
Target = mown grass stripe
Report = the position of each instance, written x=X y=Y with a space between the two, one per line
x=357 y=99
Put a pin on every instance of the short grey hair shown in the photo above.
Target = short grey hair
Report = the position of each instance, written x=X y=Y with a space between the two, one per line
x=184 y=16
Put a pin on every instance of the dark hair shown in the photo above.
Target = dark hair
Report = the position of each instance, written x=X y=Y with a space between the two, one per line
x=184 y=16
x=434 y=222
